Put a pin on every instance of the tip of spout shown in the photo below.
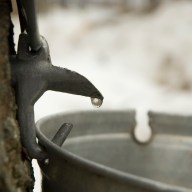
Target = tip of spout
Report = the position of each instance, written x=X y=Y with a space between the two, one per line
x=64 y=80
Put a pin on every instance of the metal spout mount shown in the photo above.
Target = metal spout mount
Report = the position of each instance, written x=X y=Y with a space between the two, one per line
x=32 y=75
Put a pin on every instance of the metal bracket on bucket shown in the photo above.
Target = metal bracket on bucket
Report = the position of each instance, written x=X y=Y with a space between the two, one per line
x=33 y=74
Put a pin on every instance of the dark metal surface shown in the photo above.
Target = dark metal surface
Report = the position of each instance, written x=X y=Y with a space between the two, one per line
x=28 y=22
x=62 y=134
x=101 y=155
x=33 y=74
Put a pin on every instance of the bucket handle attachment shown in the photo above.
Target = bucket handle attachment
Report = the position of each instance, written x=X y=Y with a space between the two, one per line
x=62 y=134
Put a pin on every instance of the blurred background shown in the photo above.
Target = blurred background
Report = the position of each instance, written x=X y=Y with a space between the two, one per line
x=138 y=53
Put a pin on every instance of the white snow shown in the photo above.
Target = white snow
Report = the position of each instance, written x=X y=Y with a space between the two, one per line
x=137 y=61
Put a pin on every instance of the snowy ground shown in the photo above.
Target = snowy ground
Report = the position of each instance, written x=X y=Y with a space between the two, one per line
x=136 y=61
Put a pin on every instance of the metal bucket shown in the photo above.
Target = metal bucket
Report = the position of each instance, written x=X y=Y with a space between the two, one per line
x=101 y=154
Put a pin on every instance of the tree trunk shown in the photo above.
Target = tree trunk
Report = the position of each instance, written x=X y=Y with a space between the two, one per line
x=15 y=171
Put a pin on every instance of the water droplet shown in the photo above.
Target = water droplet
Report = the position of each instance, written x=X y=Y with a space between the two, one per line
x=96 y=102
x=46 y=161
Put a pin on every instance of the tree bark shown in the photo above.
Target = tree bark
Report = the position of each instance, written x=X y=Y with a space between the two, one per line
x=15 y=170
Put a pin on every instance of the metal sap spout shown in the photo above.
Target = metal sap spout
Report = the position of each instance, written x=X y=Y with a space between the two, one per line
x=32 y=75
x=64 y=80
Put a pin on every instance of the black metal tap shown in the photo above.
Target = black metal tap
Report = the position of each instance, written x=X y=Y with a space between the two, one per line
x=28 y=22
x=33 y=74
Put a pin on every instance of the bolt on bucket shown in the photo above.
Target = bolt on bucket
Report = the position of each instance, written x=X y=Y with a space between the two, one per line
x=101 y=153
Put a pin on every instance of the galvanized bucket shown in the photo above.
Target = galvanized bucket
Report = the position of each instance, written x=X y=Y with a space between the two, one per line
x=101 y=154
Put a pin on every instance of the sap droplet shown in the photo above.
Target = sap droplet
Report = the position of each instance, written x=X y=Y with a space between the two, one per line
x=46 y=161
x=96 y=102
